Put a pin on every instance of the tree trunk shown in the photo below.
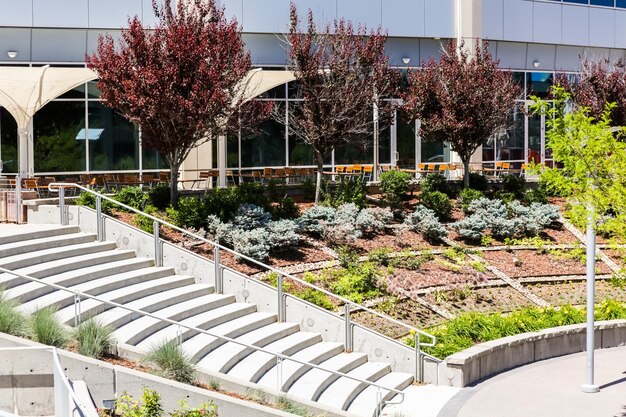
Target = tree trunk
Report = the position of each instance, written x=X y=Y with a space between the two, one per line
x=466 y=172
x=174 y=185
x=318 y=183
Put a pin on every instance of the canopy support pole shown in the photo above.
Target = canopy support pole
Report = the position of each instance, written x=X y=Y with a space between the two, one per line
x=221 y=160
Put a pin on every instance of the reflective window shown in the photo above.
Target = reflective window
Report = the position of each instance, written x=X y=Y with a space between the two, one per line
x=266 y=147
x=8 y=142
x=113 y=140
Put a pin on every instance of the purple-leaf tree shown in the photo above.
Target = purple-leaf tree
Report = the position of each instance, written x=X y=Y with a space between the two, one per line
x=463 y=99
x=181 y=81
x=341 y=73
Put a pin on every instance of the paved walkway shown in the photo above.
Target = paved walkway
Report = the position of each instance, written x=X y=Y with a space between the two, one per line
x=549 y=388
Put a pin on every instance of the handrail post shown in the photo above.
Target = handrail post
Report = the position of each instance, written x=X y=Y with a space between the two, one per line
x=379 y=400
x=418 y=358
x=219 y=283
x=62 y=205
x=348 y=328
x=61 y=393
x=281 y=300
x=279 y=373
x=76 y=309
x=18 y=200
x=158 y=253
x=99 y=219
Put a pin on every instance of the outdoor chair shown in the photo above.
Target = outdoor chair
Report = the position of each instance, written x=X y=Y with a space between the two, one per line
x=368 y=172
x=31 y=184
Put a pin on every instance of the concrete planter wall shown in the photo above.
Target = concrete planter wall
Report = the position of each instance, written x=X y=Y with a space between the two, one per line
x=490 y=358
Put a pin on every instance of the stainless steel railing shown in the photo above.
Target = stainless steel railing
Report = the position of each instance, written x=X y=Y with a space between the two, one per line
x=281 y=275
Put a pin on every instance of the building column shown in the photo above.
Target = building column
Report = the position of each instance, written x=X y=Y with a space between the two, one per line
x=22 y=146
x=31 y=149
x=221 y=161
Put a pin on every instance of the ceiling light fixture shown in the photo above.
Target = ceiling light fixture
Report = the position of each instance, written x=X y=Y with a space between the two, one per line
x=406 y=60
x=536 y=63
x=11 y=53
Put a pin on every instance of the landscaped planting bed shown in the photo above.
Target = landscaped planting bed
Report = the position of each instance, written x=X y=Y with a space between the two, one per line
x=575 y=292
x=407 y=311
x=460 y=299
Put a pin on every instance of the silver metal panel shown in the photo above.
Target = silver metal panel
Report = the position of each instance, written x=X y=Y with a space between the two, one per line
x=92 y=38
x=512 y=55
x=266 y=49
x=568 y=58
x=545 y=54
x=398 y=48
x=15 y=39
x=60 y=13
x=16 y=13
x=518 y=17
x=364 y=12
x=596 y=54
x=404 y=17
x=440 y=18
x=59 y=45
x=601 y=27
x=431 y=48
x=547 y=22
x=258 y=17
x=113 y=14
x=233 y=8
x=575 y=25
x=324 y=11
x=616 y=54
x=492 y=19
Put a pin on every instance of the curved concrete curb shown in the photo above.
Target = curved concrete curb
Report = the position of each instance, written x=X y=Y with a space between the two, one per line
x=490 y=358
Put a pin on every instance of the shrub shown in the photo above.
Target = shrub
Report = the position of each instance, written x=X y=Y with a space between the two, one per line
x=173 y=363
x=94 y=338
x=356 y=283
x=288 y=405
x=222 y=202
x=346 y=191
x=159 y=196
x=285 y=209
x=89 y=200
x=11 y=320
x=437 y=202
x=316 y=297
x=395 y=185
x=535 y=196
x=470 y=228
x=478 y=182
x=468 y=195
x=506 y=197
x=253 y=243
x=347 y=256
x=373 y=220
x=250 y=216
x=47 y=329
x=133 y=197
x=513 y=184
x=340 y=233
x=126 y=406
x=191 y=213
x=380 y=256
x=282 y=234
x=435 y=182
x=204 y=410
x=423 y=220
x=313 y=220
x=143 y=222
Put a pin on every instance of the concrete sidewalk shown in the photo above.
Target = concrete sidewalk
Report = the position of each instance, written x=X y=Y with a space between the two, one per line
x=549 y=388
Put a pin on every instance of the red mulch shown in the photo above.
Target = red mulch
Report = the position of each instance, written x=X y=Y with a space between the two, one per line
x=484 y=300
x=575 y=292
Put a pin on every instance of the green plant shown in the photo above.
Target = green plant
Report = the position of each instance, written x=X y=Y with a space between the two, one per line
x=89 y=200
x=190 y=213
x=288 y=405
x=380 y=256
x=513 y=184
x=133 y=197
x=467 y=195
x=159 y=196
x=423 y=220
x=478 y=182
x=47 y=329
x=478 y=266
x=395 y=185
x=257 y=395
x=618 y=279
x=346 y=191
x=145 y=223
x=358 y=282
x=150 y=406
x=435 y=183
x=94 y=338
x=610 y=309
x=316 y=297
x=11 y=320
x=173 y=363
x=204 y=410
x=438 y=202
x=285 y=209
x=214 y=384
x=486 y=240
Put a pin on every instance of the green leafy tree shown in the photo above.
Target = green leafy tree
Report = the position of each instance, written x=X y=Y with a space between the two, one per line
x=590 y=162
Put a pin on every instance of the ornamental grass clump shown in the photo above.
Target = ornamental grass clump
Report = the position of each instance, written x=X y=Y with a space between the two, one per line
x=11 y=320
x=173 y=362
x=95 y=339
x=47 y=329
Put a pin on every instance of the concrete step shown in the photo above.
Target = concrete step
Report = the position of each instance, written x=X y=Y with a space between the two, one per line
x=128 y=295
x=366 y=402
x=20 y=233
x=315 y=381
x=228 y=355
x=254 y=366
x=64 y=265
x=96 y=275
x=32 y=245
x=40 y=295
x=141 y=328
x=202 y=344
x=228 y=310
x=343 y=391
x=24 y=260
x=291 y=371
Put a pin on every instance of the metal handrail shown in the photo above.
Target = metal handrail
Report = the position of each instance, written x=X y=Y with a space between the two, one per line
x=344 y=300
x=279 y=356
x=58 y=370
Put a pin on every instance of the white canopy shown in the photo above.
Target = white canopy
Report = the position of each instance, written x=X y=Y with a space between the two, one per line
x=24 y=91
x=259 y=81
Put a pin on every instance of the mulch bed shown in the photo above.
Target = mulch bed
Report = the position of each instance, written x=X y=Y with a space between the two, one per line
x=575 y=292
x=485 y=300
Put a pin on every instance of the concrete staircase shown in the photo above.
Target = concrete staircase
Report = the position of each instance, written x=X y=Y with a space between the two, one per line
x=65 y=256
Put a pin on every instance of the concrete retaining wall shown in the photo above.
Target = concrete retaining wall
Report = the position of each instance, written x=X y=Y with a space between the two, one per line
x=26 y=384
x=490 y=358
x=310 y=317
